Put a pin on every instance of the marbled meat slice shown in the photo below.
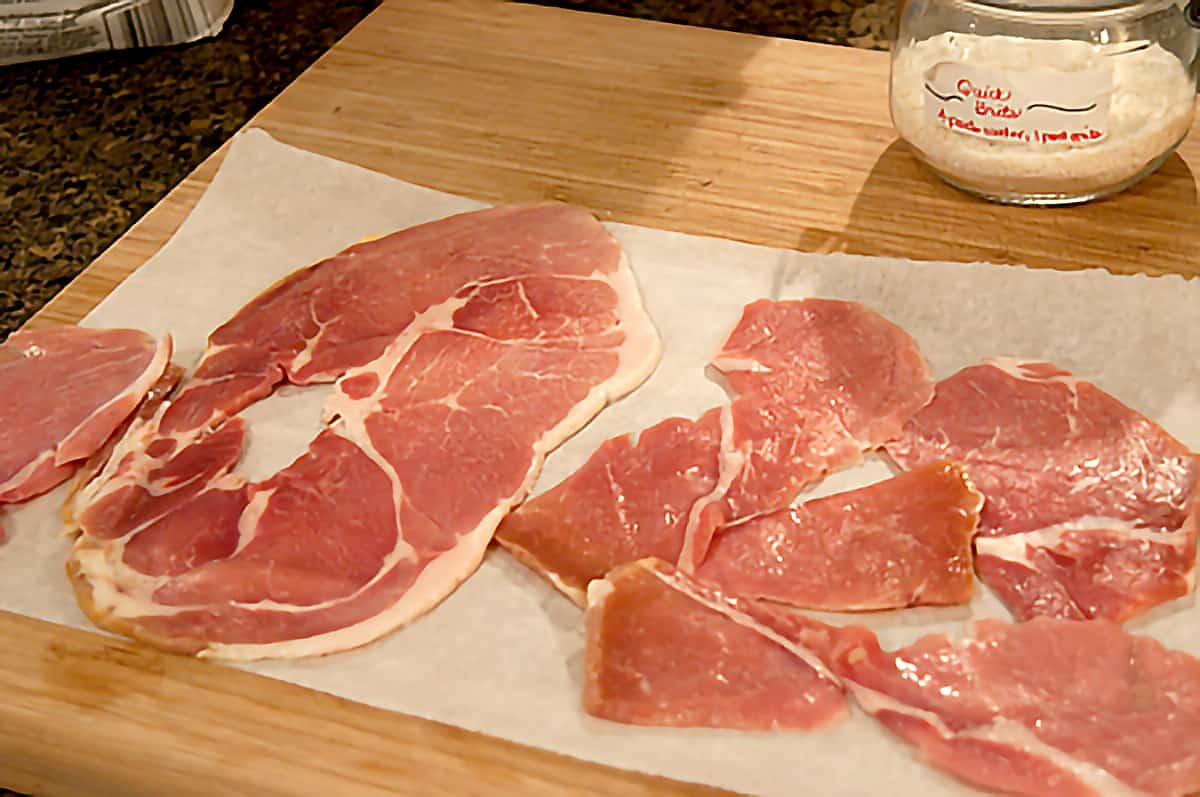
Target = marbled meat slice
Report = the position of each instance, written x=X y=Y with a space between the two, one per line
x=629 y=501
x=662 y=649
x=905 y=541
x=463 y=351
x=819 y=382
x=1091 y=508
x=155 y=396
x=66 y=389
x=1047 y=707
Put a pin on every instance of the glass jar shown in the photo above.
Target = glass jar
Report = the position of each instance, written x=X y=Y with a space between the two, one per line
x=1039 y=102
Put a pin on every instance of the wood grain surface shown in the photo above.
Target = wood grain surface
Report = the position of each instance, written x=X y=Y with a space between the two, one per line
x=769 y=141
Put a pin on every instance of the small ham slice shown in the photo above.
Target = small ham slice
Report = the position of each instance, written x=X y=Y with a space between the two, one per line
x=463 y=351
x=665 y=650
x=1047 y=707
x=818 y=382
x=629 y=501
x=1091 y=508
x=905 y=541
x=66 y=389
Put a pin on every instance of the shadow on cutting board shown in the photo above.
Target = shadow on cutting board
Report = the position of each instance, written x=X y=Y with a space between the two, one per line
x=903 y=210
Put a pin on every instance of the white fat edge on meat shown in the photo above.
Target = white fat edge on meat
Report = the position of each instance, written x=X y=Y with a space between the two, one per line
x=128 y=595
x=638 y=356
x=741 y=618
x=117 y=588
x=731 y=460
x=108 y=480
x=140 y=434
x=137 y=437
x=1019 y=369
x=577 y=596
x=17 y=482
x=351 y=417
x=639 y=353
x=727 y=363
x=136 y=389
x=730 y=364
x=430 y=588
x=598 y=590
x=1012 y=547
x=1003 y=731
x=146 y=380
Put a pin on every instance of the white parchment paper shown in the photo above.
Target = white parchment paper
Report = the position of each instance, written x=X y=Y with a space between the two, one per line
x=503 y=654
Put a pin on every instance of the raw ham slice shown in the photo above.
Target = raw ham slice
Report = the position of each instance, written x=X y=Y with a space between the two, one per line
x=1047 y=707
x=66 y=389
x=629 y=501
x=820 y=381
x=1091 y=508
x=463 y=351
x=149 y=405
x=665 y=650
x=901 y=542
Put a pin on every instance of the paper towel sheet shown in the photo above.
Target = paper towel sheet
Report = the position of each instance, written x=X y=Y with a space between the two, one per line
x=503 y=655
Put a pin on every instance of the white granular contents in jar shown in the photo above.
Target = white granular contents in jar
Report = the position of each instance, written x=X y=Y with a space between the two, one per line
x=1150 y=111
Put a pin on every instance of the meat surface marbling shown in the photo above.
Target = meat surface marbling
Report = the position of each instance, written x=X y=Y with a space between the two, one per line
x=65 y=390
x=905 y=541
x=463 y=350
x=664 y=649
x=816 y=383
x=1046 y=707
x=1091 y=508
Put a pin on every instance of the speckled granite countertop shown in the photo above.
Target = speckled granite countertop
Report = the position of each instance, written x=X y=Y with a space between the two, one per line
x=91 y=143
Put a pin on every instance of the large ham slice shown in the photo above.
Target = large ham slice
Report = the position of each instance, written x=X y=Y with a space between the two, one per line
x=817 y=382
x=1047 y=707
x=905 y=541
x=1091 y=508
x=65 y=390
x=463 y=350
x=663 y=649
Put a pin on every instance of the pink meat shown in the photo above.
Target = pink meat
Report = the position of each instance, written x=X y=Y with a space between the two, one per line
x=1091 y=508
x=66 y=389
x=1045 y=707
x=819 y=381
x=464 y=350
x=665 y=650
x=901 y=542
x=628 y=501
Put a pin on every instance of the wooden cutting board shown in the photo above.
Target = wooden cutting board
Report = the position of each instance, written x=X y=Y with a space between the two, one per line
x=769 y=141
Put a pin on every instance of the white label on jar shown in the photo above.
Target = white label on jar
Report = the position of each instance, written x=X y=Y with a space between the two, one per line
x=1035 y=107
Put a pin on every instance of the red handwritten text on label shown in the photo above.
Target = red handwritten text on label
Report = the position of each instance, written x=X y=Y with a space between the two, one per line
x=1039 y=109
